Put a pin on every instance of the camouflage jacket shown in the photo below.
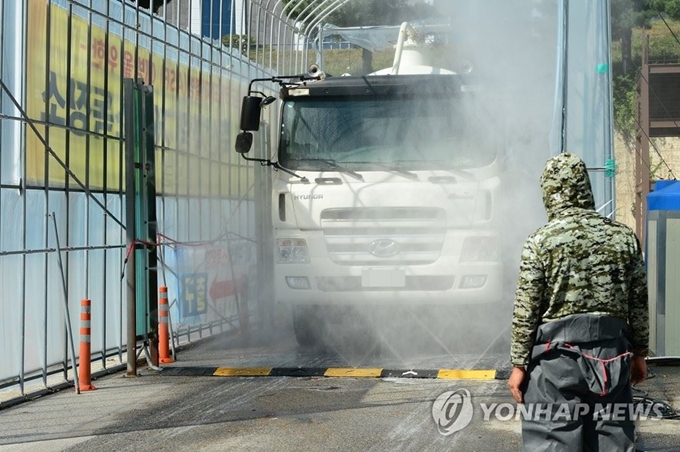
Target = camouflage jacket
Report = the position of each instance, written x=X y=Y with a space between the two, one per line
x=578 y=263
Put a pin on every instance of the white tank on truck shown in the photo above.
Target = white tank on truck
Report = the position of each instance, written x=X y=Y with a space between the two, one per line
x=387 y=191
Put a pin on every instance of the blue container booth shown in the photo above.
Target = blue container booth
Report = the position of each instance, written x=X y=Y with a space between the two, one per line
x=663 y=267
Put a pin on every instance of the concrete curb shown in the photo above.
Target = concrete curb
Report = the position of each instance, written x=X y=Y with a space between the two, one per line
x=337 y=372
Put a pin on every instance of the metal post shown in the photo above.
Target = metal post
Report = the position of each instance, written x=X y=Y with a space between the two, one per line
x=322 y=55
x=149 y=221
x=46 y=194
x=642 y=145
x=611 y=190
x=67 y=313
x=565 y=74
x=130 y=230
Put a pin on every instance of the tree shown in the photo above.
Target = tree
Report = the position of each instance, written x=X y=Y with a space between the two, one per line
x=669 y=7
x=626 y=15
x=629 y=14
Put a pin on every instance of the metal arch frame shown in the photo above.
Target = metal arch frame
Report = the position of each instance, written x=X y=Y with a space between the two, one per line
x=337 y=4
x=314 y=24
x=232 y=20
x=280 y=17
x=303 y=26
x=283 y=18
x=285 y=11
x=298 y=31
x=255 y=10
x=262 y=8
x=271 y=32
x=257 y=29
x=269 y=19
x=269 y=14
x=248 y=14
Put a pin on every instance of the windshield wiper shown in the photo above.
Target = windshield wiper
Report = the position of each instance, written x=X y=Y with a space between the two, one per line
x=403 y=172
x=444 y=165
x=332 y=163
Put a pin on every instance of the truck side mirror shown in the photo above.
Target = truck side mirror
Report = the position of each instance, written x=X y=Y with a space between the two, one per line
x=250 y=113
x=251 y=109
x=244 y=141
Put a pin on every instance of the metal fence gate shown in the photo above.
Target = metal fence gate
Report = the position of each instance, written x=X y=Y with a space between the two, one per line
x=63 y=63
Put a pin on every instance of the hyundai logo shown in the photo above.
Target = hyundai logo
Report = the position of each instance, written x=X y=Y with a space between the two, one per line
x=383 y=248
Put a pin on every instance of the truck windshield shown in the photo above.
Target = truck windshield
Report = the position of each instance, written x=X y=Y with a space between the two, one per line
x=368 y=133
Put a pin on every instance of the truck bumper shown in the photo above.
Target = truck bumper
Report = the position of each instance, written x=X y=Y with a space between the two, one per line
x=446 y=282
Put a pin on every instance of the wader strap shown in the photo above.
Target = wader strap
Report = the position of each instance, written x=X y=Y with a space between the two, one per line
x=540 y=350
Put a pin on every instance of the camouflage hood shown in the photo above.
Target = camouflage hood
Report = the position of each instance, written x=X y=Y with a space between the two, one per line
x=565 y=184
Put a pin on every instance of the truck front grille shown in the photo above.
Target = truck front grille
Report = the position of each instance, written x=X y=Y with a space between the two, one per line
x=384 y=236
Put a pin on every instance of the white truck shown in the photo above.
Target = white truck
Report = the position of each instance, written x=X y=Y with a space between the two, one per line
x=387 y=190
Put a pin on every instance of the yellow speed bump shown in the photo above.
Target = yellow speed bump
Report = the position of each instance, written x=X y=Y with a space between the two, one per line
x=350 y=372
x=242 y=371
x=453 y=374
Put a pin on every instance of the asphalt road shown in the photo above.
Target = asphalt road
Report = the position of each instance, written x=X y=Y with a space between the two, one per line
x=158 y=411
x=208 y=413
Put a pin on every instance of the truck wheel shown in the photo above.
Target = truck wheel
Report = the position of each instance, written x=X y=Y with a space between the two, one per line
x=308 y=326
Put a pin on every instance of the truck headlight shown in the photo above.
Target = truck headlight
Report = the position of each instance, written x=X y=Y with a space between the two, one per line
x=473 y=281
x=298 y=282
x=292 y=251
x=480 y=249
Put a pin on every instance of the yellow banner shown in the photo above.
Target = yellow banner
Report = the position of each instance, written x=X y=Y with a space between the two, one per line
x=76 y=87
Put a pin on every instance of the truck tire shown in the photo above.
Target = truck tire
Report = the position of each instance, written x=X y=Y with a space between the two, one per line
x=308 y=326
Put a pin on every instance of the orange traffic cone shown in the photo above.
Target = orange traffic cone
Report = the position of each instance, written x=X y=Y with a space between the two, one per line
x=84 y=365
x=163 y=334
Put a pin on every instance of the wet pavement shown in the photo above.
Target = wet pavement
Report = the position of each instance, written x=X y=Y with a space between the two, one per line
x=170 y=411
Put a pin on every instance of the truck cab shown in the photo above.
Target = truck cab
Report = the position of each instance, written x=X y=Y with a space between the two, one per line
x=387 y=195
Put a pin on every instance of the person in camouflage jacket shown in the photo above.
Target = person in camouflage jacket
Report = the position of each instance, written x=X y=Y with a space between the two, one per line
x=580 y=325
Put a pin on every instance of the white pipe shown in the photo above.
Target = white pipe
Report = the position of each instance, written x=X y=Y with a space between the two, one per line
x=403 y=33
x=604 y=206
